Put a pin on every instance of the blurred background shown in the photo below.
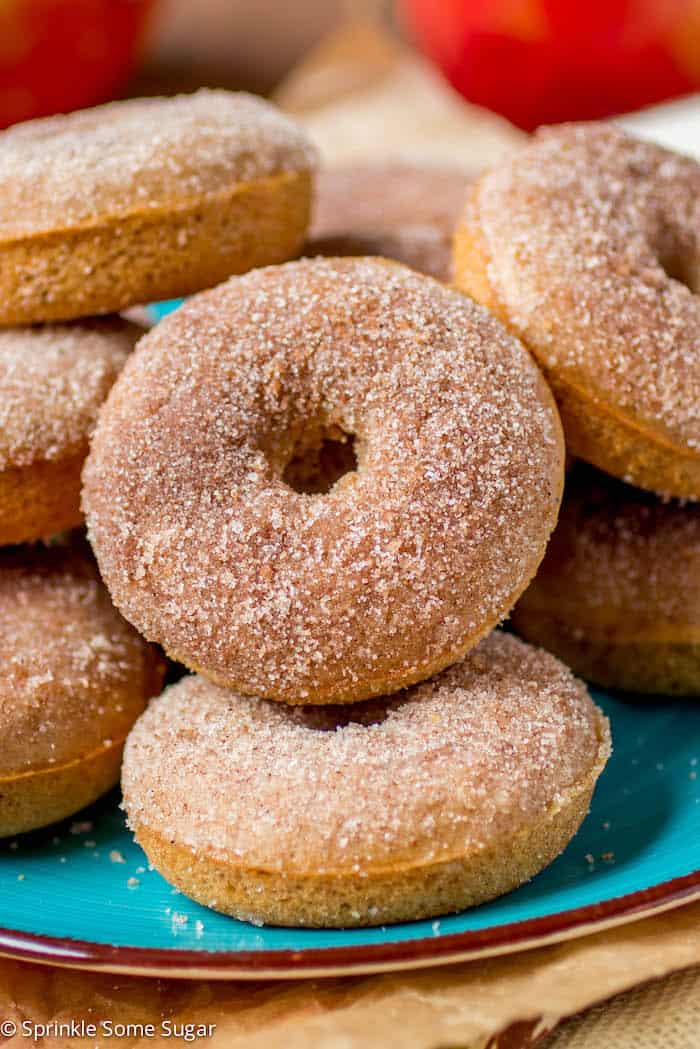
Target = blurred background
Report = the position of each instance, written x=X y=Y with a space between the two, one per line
x=428 y=62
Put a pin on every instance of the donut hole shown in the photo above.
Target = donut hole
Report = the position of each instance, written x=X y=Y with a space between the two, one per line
x=318 y=463
x=336 y=717
x=680 y=263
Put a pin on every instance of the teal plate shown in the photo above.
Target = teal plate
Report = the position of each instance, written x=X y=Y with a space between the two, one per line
x=81 y=893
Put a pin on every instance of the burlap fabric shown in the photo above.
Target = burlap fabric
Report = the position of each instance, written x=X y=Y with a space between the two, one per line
x=661 y=1015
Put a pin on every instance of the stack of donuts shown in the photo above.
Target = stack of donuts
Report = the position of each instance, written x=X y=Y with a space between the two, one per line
x=586 y=245
x=100 y=211
x=321 y=485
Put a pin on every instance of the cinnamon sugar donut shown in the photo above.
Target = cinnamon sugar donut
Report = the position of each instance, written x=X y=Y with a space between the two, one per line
x=585 y=244
x=146 y=199
x=617 y=596
x=405 y=807
x=75 y=678
x=53 y=380
x=403 y=212
x=397 y=570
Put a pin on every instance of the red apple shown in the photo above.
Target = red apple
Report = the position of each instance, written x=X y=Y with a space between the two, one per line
x=544 y=61
x=57 y=55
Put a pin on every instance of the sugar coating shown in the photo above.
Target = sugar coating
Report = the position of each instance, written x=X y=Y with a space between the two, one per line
x=473 y=755
x=400 y=211
x=53 y=379
x=203 y=546
x=75 y=675
x=64 y=171
x=621 y=560
x=583 y=228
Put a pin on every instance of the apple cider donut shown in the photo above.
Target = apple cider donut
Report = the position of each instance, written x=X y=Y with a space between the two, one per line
x=585 y=243
x=53 y=380
x=404 y=807
x=146 y=199
x=75 y=678
x=410 y=557
x=403 y=212
x=617 y=596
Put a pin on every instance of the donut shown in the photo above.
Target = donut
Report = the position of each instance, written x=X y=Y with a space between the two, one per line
x=53 y=379
x=146 y=199
x=404 y=807
x=75 y=678
x=585 y=244
x=617 y=596
x=215 y=539
x=403 y=212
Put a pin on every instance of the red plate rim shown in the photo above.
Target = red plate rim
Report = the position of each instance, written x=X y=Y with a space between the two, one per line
x=334 y=961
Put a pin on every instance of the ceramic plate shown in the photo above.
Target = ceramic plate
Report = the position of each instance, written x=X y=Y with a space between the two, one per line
x=81 y=893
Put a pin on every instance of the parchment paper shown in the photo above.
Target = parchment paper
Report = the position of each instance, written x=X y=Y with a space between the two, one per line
x=505 y=1002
